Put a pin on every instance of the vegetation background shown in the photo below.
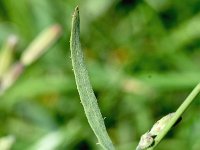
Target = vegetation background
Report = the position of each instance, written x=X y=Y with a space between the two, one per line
x=143 y=59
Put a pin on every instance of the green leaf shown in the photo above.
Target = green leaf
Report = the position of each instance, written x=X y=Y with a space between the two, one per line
x=84 y=87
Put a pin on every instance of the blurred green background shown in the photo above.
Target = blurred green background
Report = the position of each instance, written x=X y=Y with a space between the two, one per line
x=143 y=59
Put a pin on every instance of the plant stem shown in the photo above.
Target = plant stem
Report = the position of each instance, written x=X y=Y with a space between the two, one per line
x=84 y=87
x=177 y=115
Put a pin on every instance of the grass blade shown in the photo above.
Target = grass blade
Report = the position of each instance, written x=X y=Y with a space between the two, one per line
x=86 y=93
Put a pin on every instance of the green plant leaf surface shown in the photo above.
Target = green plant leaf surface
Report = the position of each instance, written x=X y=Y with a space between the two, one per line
x=84 y=87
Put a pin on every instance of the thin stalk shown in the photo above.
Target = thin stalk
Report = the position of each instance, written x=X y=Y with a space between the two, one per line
x=177 y=115
x=84 y=87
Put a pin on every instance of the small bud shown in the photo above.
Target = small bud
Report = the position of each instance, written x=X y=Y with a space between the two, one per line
x=6 y=54
x=146 y=141
x=10 y=77
x=40 y=44
x=160 y=124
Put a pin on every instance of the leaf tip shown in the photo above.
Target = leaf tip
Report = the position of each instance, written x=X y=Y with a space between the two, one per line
x=77 y=8
x=76 y=12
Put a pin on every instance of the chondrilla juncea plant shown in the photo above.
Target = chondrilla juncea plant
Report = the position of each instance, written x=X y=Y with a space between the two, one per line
x=150 y=139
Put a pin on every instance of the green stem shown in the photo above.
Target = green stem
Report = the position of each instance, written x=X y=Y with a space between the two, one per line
x=84 y=87
x=177 y=115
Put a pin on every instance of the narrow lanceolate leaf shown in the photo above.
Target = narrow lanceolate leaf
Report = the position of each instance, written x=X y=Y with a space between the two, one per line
x=86 y=93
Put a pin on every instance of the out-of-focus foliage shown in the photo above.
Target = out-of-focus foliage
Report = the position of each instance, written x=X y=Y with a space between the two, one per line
x=143 y=58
